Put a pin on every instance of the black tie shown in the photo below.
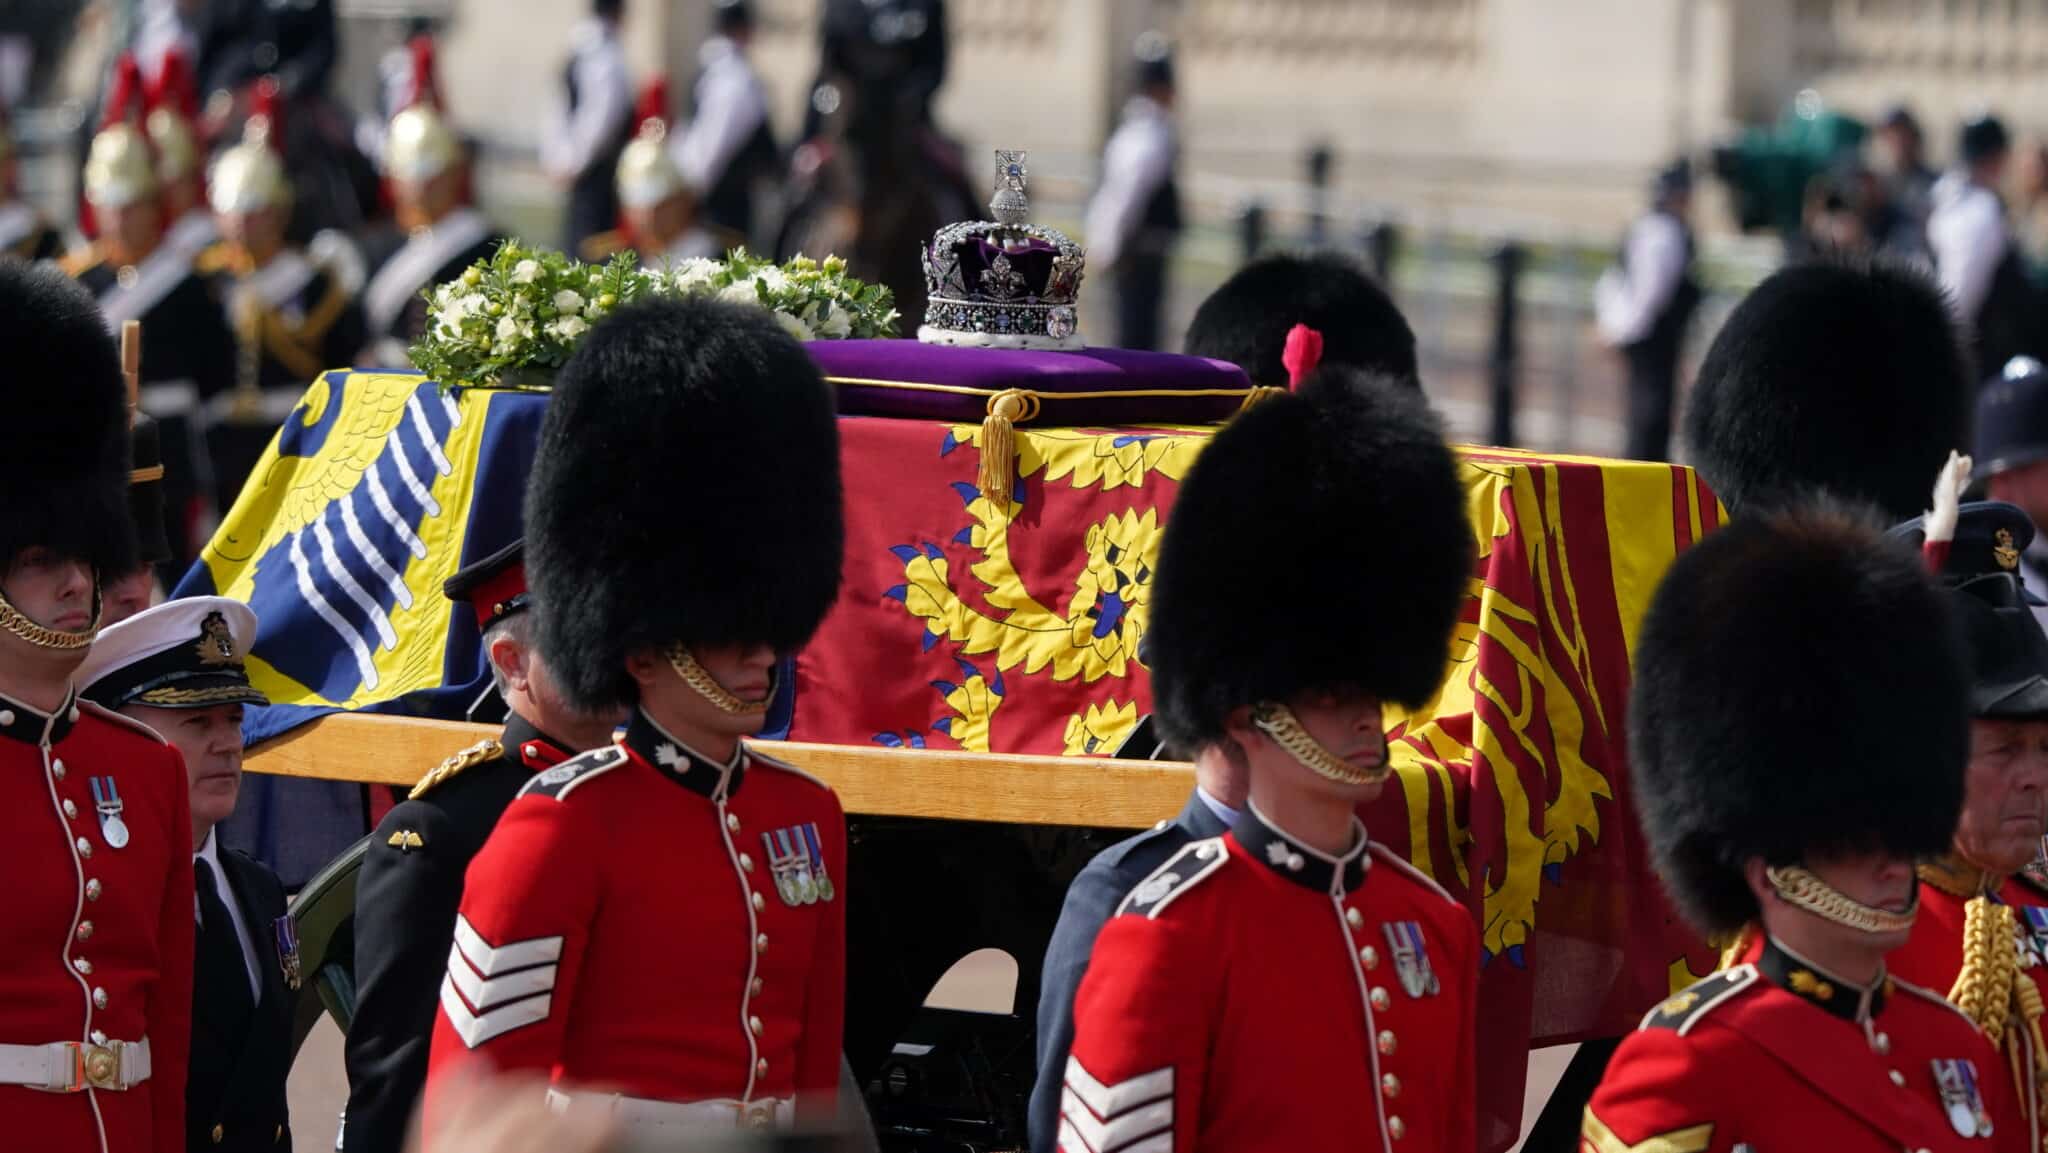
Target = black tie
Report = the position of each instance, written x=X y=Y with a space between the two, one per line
x=221 y=985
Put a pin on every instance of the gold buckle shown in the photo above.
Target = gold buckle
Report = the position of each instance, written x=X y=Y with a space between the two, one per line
x=94 y=1066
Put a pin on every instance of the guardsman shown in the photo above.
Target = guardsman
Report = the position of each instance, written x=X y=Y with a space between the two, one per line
x=172 y=124
x=294 y=316
x=427 y=166
x=132 y=591
x=1840 y=376
x=411 y=880
x=95 y=834
x=1135 y=216
x=1246 y=321
x=1291 y=984
x=179 y=668
x=737 y=882
x=586 y=132
x=188 y=355
x=657 y=211
x=1788 y=815
x=1982 y=933
x=729 y=146
x=24 y=234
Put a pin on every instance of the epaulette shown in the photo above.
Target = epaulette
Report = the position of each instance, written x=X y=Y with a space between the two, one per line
x=2034 y=877
x=468 y=758
x=601 y=246
x=215 y=258
x=759 y=758
x=1407 y=869
x=1181 y=872
x=564 y=778
x=1912 y=990
x=1683 y=1010
x=86 y=706
x=78 y=261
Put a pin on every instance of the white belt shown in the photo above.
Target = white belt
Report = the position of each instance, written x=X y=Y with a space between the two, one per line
x=168 y=398
x=73 y=1066
x=639 y=1115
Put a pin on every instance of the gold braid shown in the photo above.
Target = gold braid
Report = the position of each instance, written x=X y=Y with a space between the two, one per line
x=1991 y=990
x=1731 y=953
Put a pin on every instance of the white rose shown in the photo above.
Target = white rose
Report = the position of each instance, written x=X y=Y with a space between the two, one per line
x=568 y=303
x=508 y=329
x=792 y=325
x=695 y=273
x=773 y=278
x=568 y=328
x=740 y=292
x=526 y=272
x=444 y=294
x=837 y=326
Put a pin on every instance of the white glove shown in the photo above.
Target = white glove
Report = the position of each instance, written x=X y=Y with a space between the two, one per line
x=1940 y=521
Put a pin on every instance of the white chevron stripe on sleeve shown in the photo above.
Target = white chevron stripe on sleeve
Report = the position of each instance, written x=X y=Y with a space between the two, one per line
x=1106 y=1101
x=1113 y=1133
x=476 y=1028
x=496 y=991
x=1070 y=1142
x=489 y=960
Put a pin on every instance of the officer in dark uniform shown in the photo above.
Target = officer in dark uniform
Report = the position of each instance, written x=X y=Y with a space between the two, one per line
x=188 y=355
x=24 y=234
x=2012 y=455
x=1246 y=321
x=412 y=872
x=179 y=668
x=242 y=40
x=293 y=316
x=1832 y=376
x=1791 y=821
x=440 y=234
x=1136 y=214
x=1646 y=303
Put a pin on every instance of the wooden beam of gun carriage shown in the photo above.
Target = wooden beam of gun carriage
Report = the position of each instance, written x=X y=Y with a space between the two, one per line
x=871 y=781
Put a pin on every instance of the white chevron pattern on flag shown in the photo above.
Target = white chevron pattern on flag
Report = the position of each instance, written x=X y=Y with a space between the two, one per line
x=1131 y=1116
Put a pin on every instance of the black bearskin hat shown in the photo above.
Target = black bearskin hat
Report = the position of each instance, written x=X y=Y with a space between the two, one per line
x=1320 y=541
x=64 y=472
x=1247 y=320
x=1840 y=376
x=1731 y=760
x=686 y=490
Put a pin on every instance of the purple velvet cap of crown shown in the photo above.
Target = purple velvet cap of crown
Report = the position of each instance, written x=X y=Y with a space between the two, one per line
x=868 y=376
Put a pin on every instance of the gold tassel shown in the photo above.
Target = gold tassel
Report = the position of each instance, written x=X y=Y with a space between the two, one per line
x=1731 y=953
x=1006 y=410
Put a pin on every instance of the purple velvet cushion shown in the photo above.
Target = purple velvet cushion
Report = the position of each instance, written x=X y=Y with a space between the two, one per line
x=869 y=377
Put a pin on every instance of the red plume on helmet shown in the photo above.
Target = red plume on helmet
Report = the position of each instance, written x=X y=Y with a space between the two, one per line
x=426 y=85
x=174 y=87
x=653 y=104
x=124 y=93
x=266 y=112
x=1302 y=353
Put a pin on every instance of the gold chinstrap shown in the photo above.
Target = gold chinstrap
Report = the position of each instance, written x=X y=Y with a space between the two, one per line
x=1802 y=889
x=1278 y=722
x=55 y=640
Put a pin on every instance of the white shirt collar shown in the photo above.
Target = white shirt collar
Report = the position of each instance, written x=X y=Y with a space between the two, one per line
x=1223 y=812
x=209 y=851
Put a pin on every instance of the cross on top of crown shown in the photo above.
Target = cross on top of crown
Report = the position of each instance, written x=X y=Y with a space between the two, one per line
x=1010 y=205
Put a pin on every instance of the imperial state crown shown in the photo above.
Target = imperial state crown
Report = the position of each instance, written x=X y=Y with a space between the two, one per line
x=1003 y=283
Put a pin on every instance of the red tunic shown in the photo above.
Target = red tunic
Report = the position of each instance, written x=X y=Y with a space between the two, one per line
x=1253 y=994
x=1742 y=1059
x=658 y=925
x=1933 y=957
x=97 y=941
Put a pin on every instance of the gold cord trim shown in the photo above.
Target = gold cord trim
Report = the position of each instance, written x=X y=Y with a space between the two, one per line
x=17 y=622
x=145 y=475
x=1111 y=394
x=1992 y=991
x=707 y=686
x=1802 y=889
x=1279 y=722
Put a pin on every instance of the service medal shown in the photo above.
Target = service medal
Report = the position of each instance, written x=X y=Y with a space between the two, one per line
x=1411 y=958
x=816 y=853
x=1956 y=1078
x=287 y=934
x=107 y=799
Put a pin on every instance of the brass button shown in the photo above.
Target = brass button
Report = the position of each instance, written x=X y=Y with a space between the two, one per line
x=1881 y=1044
x=1370 y=956
x=754 y=1026
x=82 y=965
x=531 y=750
x=1396 y=1128
x=755 y=988
x=746 y=862
x=277 y=1136
x=732 y=821
x=761 y=1067
x=99 y=998
x=760 y=902
x=1354 y=918
x=1379 y=998
x=761 y=943
x=57 y=768
x=1386 y=1043
x=1391 y=1086
x=92 y=889
x=7 y=718
x=85 y=930
x=1898 y=1078
x=84 y=847
x=219 y=1134
x=70 y=810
